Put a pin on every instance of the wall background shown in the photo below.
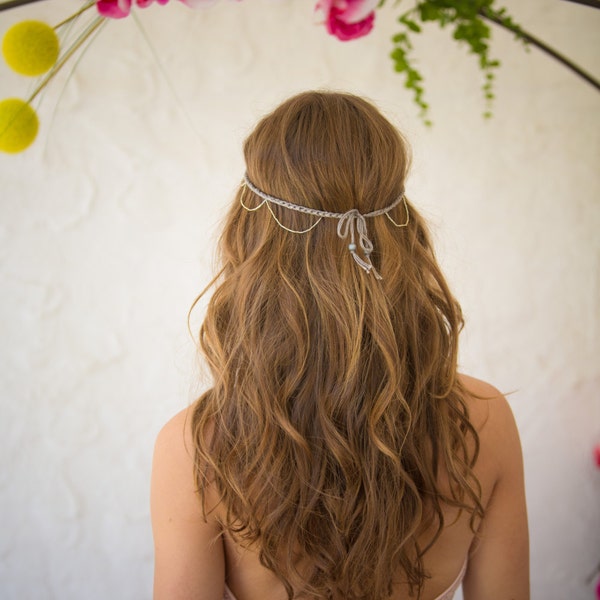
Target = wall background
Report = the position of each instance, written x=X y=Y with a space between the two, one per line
x=107 y=229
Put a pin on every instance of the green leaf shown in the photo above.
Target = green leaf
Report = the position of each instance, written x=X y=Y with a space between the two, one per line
x=398 y=38
x=409 y=23
x=429 y=12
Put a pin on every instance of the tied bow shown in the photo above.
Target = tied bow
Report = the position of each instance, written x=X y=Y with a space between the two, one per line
x=353 y=222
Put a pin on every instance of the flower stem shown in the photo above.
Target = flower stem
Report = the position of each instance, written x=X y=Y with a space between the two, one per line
x=75 y=15
x=93 y=26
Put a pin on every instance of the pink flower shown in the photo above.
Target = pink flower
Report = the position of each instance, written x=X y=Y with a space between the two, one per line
x=348 y=19
x=117 y=9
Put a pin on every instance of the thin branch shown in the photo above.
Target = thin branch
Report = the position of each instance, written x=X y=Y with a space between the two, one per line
x=15 y=4
x=527 y=37
x=592 y=3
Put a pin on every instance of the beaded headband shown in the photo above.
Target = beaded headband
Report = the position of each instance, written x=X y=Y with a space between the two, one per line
x=351 y=222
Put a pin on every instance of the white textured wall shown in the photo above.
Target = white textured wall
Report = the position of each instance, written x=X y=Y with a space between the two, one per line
x=107 y=228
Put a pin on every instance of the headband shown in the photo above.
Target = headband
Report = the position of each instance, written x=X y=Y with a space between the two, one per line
x=350 y=223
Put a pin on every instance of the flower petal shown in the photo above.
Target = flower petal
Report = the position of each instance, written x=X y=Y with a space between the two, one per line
x=357 y=10
x=114 y=9
x=348 y=31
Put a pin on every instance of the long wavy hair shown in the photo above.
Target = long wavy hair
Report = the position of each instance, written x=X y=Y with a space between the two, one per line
x=335 y=407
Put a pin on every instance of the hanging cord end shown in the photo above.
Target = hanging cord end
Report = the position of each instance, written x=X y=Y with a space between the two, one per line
x=353 y=222
x=365 y=263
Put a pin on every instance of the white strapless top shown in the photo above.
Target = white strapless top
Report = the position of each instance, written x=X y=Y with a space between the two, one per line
x=447 y=595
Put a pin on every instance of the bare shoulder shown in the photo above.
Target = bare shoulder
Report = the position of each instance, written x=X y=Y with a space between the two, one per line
x=491 y=415
x=499 y=556
x=482 y=396
x=189 y=559
x=173 y=490
x=174 y=440
x=173 y=469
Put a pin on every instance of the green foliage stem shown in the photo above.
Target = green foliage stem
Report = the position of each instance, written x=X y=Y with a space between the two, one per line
x=469 y=28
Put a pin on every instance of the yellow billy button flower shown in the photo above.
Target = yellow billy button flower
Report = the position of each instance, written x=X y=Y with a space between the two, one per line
x=18 y=125
x=30 y=47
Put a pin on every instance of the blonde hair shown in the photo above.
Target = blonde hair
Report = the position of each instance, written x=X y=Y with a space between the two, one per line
x=335 y=405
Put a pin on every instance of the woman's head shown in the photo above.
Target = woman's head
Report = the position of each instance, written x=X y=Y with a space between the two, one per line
x=335 y=399
x=320 y=150
x=329 y=151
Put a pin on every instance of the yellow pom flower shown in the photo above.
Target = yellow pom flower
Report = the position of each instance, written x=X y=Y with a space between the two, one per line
x=30 y=47
x=18 y=125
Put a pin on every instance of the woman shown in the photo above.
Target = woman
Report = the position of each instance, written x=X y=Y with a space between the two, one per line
x=338 y=455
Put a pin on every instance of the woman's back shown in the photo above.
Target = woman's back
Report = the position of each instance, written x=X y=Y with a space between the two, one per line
x=496 y=559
